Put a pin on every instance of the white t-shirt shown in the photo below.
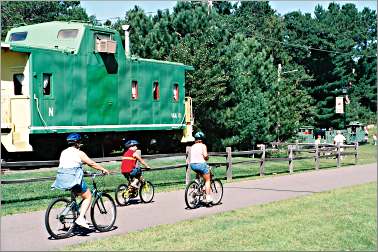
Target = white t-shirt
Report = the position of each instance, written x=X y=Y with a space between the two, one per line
x=70 y=158
x=196 y=153
x=339 y=139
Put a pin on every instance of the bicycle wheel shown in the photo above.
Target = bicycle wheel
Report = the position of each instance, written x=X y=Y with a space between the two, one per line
x=192 y=195
x=122 y=195
x=103 y=212
x=216 y=191
x=59 y=218
x=146 y=192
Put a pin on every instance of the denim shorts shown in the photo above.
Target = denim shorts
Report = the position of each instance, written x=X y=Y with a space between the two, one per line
x=135 y=173
x=82 y=188
x=200 y=168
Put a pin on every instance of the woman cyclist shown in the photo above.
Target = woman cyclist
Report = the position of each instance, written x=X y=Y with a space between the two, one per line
x=198 y=158
x=70 y=173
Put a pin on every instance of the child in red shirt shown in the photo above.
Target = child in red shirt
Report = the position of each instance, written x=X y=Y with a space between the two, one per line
x=129 y=159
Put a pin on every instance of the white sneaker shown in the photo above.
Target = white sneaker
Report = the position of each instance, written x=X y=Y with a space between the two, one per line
x=81 y=222
x=209 y=199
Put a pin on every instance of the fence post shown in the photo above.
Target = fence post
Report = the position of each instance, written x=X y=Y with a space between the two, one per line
x=187 y=169
x=262 y=160
x=338 y=155
x=317 y=159
x=229 y=164
x=355 y=152
x=290 y=158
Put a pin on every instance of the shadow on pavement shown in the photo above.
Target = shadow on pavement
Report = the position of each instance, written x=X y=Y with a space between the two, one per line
x=80 y=231
x=135 y=202
x=203 y=204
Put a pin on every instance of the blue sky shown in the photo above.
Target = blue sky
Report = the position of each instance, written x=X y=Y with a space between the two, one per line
x=113 y=9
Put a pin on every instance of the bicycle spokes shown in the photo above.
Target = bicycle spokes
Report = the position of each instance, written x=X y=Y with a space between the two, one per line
x=146 y=192
x=101 y=206
x=59 y=218
x=192 y=195
x=103 y=213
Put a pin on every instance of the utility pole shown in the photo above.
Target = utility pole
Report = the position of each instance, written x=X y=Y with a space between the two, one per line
x=345 y=94
x=126 y=28
x=279 y=71
x=209 y=6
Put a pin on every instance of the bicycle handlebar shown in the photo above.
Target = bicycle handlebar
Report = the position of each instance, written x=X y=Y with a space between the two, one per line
x=94 y=174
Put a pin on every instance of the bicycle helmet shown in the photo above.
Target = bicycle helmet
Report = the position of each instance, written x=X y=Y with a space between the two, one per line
x=73 y=137
x=199 y=135
x=130 y=143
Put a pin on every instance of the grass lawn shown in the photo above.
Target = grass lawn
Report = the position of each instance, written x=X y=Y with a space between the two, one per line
x=18 y=198
x=342 y=219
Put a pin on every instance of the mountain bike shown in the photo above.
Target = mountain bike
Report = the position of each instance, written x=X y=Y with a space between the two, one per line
x=124 y=193
x=61 y=213
x=195 y=191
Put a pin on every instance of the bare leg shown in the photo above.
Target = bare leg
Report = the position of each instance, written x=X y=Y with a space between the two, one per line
x=87 y=197
x=207 y=183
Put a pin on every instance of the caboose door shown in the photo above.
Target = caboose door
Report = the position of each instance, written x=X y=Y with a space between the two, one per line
x=15 y=100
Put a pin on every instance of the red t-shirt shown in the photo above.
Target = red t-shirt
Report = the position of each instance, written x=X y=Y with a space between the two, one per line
x=128 y=161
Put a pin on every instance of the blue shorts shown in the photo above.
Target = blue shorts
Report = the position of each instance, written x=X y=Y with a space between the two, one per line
x=135 y=173
x=200 y=168
x=82 y=188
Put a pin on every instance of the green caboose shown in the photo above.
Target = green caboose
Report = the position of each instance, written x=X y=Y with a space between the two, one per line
x=356 y=133
x=353 y=133
x=62 y=77
x=306 y=134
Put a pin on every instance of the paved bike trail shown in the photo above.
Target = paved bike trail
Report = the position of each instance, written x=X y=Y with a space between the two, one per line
x=22 y=232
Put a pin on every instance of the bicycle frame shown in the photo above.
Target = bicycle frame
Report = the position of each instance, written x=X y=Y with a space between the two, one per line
x=201 y=181
x=125 y=192
x=95 y=194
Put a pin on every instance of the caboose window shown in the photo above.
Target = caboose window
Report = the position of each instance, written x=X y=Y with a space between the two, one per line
x=175 y=92
x=156 y=92
x=68 y=33
x=46 y=84
x=134 y=90
x=18 y=36
x=17 y=82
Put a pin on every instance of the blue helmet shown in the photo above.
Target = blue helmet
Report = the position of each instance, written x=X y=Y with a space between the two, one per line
x=199 y=135
x=73 y=137
x=130 y=143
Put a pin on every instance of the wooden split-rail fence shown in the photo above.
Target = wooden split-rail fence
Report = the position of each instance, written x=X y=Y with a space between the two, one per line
x=317 y=152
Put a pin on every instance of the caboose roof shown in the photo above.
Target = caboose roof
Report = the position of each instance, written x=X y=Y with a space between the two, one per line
x=45 y=35
x=186 y=67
